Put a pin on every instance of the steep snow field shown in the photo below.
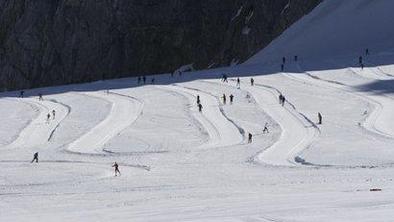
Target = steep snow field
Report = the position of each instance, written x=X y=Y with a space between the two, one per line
x=179 y=164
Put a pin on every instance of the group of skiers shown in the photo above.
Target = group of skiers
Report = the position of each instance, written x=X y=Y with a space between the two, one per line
x=225 y=98
x=282 y=65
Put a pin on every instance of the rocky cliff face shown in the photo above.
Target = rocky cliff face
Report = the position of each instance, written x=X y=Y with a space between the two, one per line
x=50 y=42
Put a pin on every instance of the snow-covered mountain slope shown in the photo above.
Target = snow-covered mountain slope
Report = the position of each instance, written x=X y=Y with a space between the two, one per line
x=335 y=28
x=182 y=164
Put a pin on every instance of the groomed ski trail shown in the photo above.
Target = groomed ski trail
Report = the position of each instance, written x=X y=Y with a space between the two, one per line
x=39 y=131
x=221 y=131
x=124 y=111
x=297 y=133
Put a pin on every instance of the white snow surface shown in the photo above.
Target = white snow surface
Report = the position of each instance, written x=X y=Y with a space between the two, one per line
x=179 y=164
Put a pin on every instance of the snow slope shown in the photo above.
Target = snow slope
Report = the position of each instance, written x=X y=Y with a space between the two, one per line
x=179 y=164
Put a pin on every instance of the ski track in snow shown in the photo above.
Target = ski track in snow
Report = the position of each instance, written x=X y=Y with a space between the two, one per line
x=376 y=122
x=298 y=132
x=221 y=131
x=40 y=131
x=124 y=112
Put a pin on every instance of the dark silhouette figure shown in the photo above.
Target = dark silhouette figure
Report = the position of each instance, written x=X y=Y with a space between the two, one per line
x=283 y=60
x=40 y=97
x=282 y=67
x=198 y=99
x=116 y=166
x=48 y=117
x=231 y=98
x=250 y=136
x=144 y=79
x=224 y=99
x=199 y=107
x=360 y=60
x=265 y=130
x=35 y=158
x=251 y=81
x=22 y=94
x=295 y=58
x=53 y=114
x=362 y=65
x=238 y=83
x=320 y=118
x=366 y=51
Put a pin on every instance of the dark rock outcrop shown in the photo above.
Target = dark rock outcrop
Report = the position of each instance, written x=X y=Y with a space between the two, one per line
x=52 y=42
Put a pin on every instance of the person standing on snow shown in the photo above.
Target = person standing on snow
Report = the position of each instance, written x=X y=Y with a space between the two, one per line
x=280 y=98
x=116 y=166
x=40 y=97
x=320 y=118
x=48 y=117
x=250 y=138
x=265 y=130
x=283 y=100
x=224 y=99
x=198 y=99
x=251 y=81
x=53 y=114
x=21 y=94
x=231 y=98
x=360 y=60
x=35 y=157
x=200 y=107
x=238 y=83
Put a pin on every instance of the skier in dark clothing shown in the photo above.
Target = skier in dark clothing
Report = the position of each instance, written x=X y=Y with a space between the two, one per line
x=250 y=138
x=295 y=58
x=198 y=99
x=251 y=81
x=224 y=99
x=238 y=83
x=35 y=158
x=199 y=107
x=144 y=79
x=366 y=51
x=283 y=60
x=21 y=94
x=53 y=114
x=116 y=166
x=283 y=100
x=40 y=97
x=48 y=117
x=280 y=98
x=320 y=118
x=360 y=60
x=231 y=98
x=265 y=130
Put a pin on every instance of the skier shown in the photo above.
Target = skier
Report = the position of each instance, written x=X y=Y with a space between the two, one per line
x=265 y=130
x=199 y=107
x=295 y=58
x=48 y=117
x=144 y=79
x=53 y=114
x=283 y=100
x=238 y=83
x=360 y=60
x=283 y=60
x=251 y=81
x=40 y=97
x=250 y=138
x=116 y=166
x=319 y=116
x=35 y=157
x=21 y=94
x=280 y=98
x=139 y=80
x=366 y=51
x=282 y=67
x=224 y=99
x=198 y=99
x=231 y=98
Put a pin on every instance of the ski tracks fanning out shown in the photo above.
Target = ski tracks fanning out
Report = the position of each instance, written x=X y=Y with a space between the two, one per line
x=380 y=121
x=41 y=129
x=125 y=111
x=297 y=132
x=221 y=131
